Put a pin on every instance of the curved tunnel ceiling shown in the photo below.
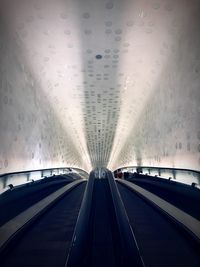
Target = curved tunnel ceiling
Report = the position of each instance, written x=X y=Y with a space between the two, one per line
x=99 y=83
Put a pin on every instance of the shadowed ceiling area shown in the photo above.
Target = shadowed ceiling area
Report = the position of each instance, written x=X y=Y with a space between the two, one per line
x=88 y=83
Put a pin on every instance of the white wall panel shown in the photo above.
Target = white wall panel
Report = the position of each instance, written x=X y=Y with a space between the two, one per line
x=99 y=83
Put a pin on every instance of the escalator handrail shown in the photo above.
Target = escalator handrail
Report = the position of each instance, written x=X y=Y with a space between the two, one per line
x=77 y=248
x=130 y=253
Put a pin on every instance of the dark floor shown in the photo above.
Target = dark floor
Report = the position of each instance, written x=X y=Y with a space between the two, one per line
x=103 y=235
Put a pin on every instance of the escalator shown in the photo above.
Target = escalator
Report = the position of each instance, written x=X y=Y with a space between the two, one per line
x=161 y=241
x=103 y=236
x=47 y=240
x=102 y=223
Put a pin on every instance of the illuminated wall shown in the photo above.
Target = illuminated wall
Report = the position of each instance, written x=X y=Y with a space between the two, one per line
x=99 y=83
x=31 y=135
x=166 y=130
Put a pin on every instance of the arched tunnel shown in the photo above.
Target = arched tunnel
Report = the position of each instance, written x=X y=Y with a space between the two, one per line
x=99 y=133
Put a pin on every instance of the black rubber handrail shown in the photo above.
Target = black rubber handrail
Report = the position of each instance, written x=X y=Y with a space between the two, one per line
x=78 y=249
x=129 y=249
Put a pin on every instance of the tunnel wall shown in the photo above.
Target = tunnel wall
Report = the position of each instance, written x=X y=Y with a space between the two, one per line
x=144 y=111
x=167 y=132
x=31 y=136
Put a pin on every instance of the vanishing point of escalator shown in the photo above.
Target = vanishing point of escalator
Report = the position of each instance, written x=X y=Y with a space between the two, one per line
x=103 y=236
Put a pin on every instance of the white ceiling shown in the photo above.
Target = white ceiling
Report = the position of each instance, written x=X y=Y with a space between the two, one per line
x=131 y=106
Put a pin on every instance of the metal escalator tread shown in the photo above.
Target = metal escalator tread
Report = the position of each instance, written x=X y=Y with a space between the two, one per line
x=47 y=241
x=16 y=204
x=103 y=237
x=160 y=242
x=185 y=200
